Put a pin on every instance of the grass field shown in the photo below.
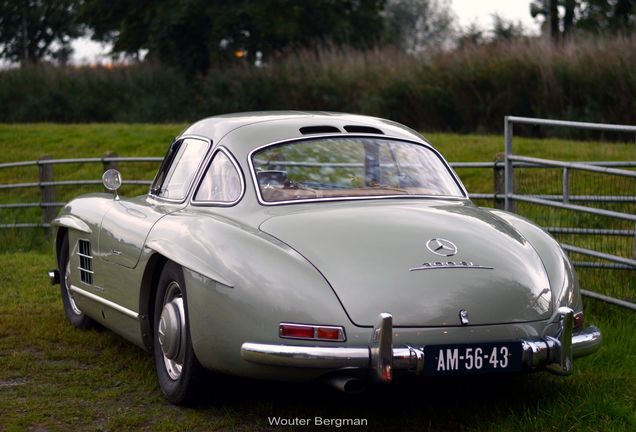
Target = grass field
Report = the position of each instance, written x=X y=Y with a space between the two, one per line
x=53 y=377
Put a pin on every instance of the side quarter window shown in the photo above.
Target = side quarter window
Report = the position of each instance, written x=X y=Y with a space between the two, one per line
x=222 y=182
x=174 y=180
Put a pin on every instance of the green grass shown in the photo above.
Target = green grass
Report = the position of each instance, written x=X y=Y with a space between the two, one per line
x=53 y=377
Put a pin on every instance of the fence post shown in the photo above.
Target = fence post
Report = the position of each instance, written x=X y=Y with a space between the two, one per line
x=499 y=177
x=109 y=164
x=47 y=192
x=566 y=185
x=509 y=173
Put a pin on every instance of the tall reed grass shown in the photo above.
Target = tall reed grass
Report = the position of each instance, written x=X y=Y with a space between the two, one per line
x=465 y=90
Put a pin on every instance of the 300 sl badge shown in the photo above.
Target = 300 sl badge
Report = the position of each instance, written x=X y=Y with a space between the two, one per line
x=450 y=265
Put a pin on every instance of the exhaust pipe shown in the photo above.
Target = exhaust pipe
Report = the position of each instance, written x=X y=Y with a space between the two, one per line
x=346 y=384
x=54 y=277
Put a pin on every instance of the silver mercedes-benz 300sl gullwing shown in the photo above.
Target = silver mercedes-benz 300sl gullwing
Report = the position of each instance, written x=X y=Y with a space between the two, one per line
x=304 y=245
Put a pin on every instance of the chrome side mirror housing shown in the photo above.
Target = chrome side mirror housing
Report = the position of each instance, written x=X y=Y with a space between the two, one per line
x=112 y=181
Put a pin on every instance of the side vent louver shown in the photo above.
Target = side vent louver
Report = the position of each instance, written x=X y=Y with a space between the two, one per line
x=318 y=130
x=363 y=129
x=86 y=262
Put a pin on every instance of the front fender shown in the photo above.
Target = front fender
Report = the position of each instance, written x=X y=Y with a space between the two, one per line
x=72 y=222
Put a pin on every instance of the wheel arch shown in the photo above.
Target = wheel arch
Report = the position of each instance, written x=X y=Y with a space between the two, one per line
x=147 y=293
x=59 y=238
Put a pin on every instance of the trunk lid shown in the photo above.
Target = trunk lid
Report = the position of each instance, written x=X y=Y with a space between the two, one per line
x=375 y=256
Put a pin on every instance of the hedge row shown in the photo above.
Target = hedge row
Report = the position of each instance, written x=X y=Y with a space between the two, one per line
x=468 y=90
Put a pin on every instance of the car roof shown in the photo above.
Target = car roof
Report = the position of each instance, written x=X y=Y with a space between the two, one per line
x=252 y=129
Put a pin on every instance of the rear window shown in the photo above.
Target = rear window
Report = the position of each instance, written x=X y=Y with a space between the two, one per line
x=348 y=167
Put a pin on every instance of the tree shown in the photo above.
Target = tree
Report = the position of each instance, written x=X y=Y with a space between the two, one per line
x=418 y=25
x=31 y=30
x=606 y=16
x=504 y=30
x=194 y=34
x=596 y=16
x=550 y=10
x=472 y=35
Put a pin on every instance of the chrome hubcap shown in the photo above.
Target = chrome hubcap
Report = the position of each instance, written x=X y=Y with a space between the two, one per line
x=171 y=331
x=69 y=294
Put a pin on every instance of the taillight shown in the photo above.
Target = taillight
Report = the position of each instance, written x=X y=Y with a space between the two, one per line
x=311 y=332
x=578 y=321
x=296 y=331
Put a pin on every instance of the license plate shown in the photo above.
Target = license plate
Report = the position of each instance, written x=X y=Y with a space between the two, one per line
x=472 y=358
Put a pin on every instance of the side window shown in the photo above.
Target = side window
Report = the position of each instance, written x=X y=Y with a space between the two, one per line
x=176 y=179
x=221 y=183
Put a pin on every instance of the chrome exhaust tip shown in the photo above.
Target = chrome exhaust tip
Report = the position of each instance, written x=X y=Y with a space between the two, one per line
x=54 y=277
x=346 y=384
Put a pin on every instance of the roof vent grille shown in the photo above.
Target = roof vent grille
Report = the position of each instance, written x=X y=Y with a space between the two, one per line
x=363 y=129
x=318 y=130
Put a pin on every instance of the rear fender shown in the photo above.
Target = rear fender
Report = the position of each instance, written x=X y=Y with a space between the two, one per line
x=241 y=283
x=563 y=281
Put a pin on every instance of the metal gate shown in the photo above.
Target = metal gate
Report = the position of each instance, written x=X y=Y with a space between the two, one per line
x=593 y=215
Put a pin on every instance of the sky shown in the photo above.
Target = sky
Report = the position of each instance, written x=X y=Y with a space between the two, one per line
x=481 y=11
x=467 y=11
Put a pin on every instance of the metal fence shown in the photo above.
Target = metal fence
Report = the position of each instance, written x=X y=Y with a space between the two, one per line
x=507 y=171
x=596 y=227
x=48 y=186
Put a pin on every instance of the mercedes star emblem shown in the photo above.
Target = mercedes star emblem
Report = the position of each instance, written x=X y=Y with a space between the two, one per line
x=441 y=247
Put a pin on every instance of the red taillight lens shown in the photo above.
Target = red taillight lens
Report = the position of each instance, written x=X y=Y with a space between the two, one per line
x=313 y=332
x=578 y=320
x=296 y=331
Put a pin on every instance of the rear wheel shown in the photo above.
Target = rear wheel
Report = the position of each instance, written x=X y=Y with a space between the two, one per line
x=178 y=369
x=73 y=313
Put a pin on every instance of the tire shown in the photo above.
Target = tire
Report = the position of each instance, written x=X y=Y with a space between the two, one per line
x=178 y=370
x=73 y=313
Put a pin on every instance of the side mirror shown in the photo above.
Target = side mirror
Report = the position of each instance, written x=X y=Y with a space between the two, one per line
x=112 y=181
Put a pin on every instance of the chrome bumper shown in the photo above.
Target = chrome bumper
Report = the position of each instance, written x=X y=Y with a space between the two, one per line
x=382 y=358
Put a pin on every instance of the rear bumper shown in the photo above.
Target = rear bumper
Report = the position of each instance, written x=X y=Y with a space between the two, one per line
x=382 y=358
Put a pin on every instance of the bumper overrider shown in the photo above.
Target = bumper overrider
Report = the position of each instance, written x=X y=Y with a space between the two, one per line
x=554 y=354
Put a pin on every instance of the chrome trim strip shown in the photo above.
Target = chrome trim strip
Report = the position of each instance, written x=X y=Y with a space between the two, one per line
x=207 y=166
x=361 y=198
x=84 y=270
x=344 y=136
x=110 y=304
x=549 y=353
